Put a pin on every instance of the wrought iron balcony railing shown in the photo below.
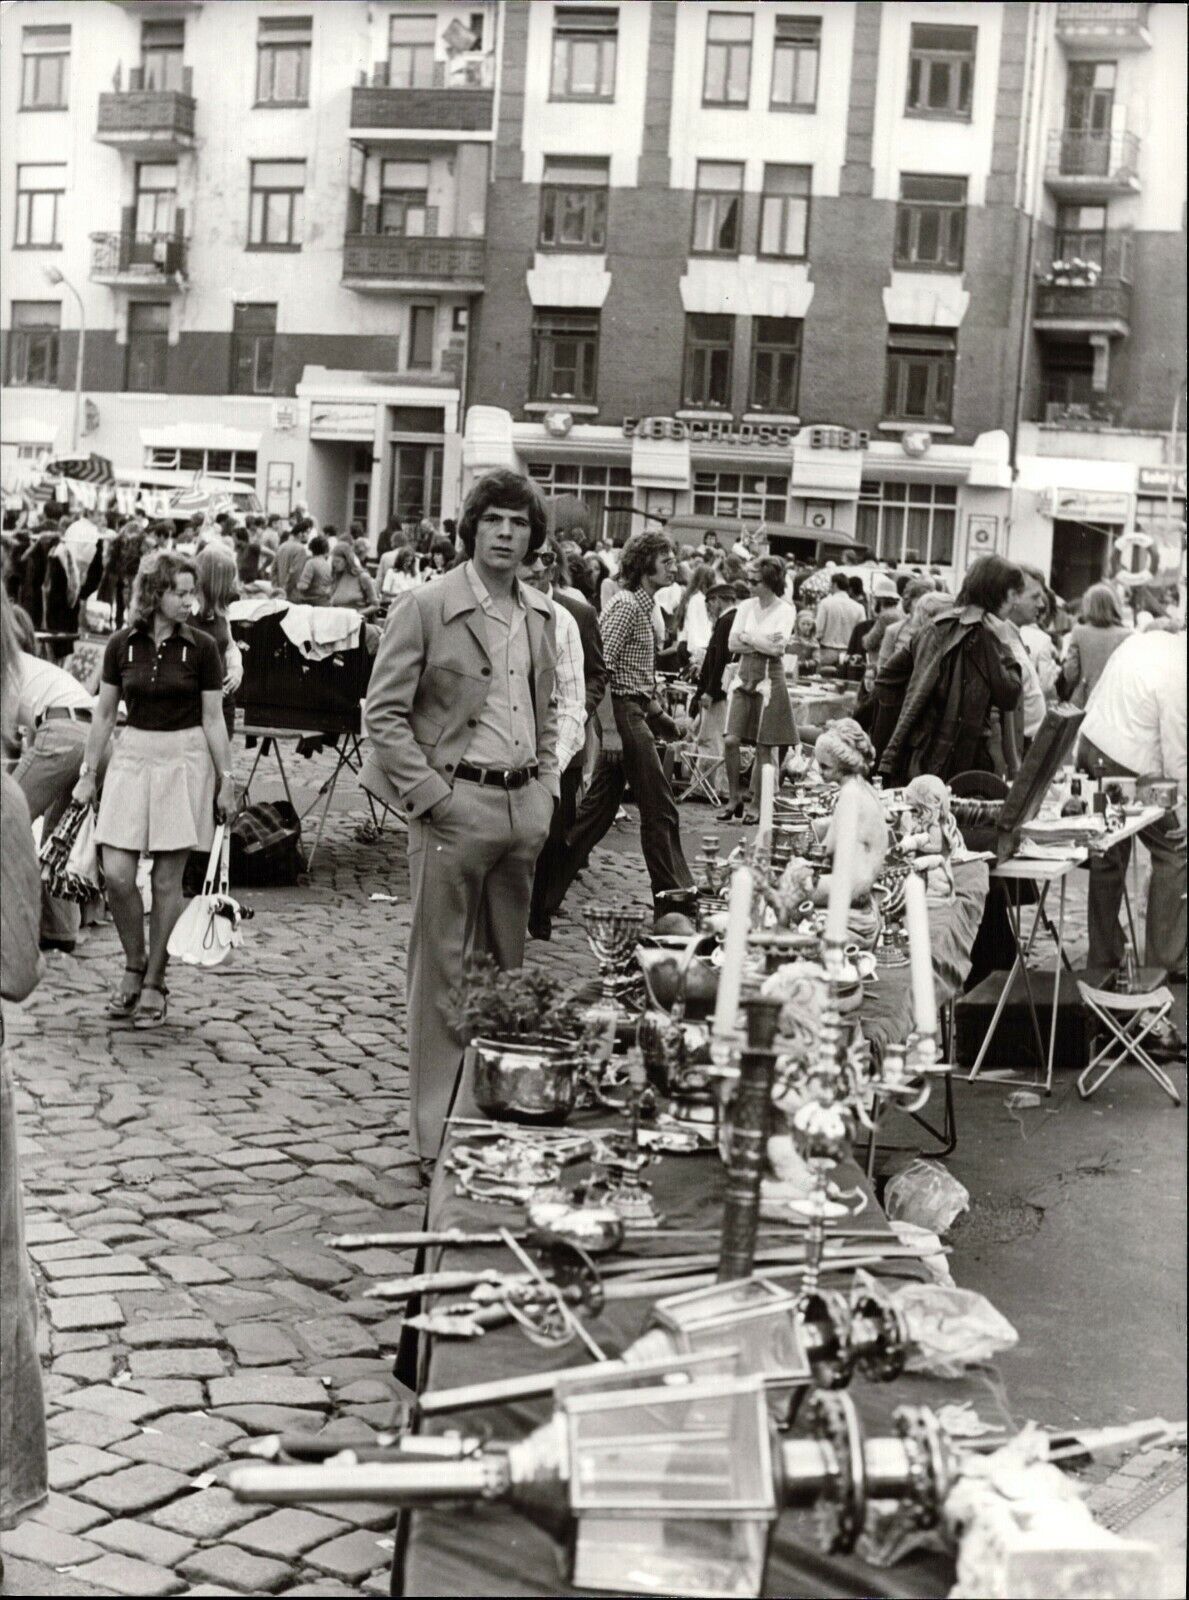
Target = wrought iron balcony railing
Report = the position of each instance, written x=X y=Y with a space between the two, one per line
x=147 y=257
x=386 y=257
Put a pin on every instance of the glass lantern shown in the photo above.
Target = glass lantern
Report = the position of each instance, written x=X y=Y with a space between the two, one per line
x=753 y=1315
x=672 y=1487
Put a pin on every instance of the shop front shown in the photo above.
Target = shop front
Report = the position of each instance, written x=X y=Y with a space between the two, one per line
x=379 y=450
x=910 y=500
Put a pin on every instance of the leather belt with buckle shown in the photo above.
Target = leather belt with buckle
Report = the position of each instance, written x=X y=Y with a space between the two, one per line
x=496 y=777
x=72 y=713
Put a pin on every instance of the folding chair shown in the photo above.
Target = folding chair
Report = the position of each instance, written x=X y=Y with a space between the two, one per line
x=1129 y=1019
x=701 y=768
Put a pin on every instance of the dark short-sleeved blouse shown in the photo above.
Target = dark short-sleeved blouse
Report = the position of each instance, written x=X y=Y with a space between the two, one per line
x=162 y=685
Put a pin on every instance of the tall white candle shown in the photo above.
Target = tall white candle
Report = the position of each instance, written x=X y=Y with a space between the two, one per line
x=767 y=802
x=730 y=977
x=842 y=868
x=916 y=915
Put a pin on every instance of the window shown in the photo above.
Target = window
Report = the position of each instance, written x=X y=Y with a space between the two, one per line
x=254 y=333
x=708 y=341
x=574 y=203
x=148 y=345
x=39 y=205
x=920 y=386
x=422 y=327
x=238 y=464
x=1067 y=376
x=908 y=522
x=795 y=56
x=758 y=497
x=283 y=61
x=156 y=197
x=410 y=52
x=276 y=205
x=565 y=355
x=584 y=43
x=33 y=343
x=727 y=79
x=162 y=47
x=931 y=222
x=404 y=199
x=784 y=211
x=1081 y=234
x=941 y=71
x=45 y=67
x=605 y=491
x=775 y=364
x=718 y=205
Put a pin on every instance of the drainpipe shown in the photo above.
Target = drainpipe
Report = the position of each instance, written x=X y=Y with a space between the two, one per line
x=1035 y=106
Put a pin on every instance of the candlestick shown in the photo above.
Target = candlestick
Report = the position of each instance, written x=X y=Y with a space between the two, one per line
x=916 y=915
x=730 y=977
x=845 y=828
x=767 y=803
x=751 y=1115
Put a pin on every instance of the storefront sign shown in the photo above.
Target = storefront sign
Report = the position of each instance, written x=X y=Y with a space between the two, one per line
x=1084 y=505
x=982 y=535
x=278 y=494
x=756 y=435
x=342 y=419
x=284 y=415
x=1156 y=480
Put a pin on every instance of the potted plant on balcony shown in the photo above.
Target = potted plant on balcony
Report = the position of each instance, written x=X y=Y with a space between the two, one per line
x=1072 y=272
x=522 y=1030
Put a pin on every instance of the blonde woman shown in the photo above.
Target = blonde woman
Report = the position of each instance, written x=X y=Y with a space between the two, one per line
x=216 y=586
x=1092 y=643
x=170 y=772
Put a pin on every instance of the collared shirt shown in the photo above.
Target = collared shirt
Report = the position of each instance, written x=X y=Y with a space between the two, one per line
x=162 y=684
x=1136 y=714
x=44 y=686
x=570 y=694
x=629 y=642
x=837 y=615
x=506 y=735
x=1032 y=702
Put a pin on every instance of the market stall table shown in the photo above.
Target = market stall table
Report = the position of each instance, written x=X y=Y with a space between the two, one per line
x=494 y=1550
x=815 y=705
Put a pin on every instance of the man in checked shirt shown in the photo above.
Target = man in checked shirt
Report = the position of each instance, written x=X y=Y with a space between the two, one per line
x=629 y=648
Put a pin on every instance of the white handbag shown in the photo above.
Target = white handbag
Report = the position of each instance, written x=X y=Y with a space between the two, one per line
x=209 y=928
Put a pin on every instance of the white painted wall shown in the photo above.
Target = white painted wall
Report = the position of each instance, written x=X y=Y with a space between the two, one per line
x=756 y=134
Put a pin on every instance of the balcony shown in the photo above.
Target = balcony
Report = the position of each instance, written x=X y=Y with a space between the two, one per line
x=147 y=122
x=1083 y=416
x=1093 y=29
x=1083 y=166
x=1088 y=287
x=386 y=262
x=139 y=261
x=457 y=103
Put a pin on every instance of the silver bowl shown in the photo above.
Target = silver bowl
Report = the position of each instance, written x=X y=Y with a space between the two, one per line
x=522 y=1081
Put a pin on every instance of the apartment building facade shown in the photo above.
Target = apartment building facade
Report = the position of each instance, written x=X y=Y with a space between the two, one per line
x=785 y=261
x=270 y=220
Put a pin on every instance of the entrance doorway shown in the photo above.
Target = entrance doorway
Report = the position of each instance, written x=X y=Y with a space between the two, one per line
x=359 y=487
x=416 y=481
x=1080 y=555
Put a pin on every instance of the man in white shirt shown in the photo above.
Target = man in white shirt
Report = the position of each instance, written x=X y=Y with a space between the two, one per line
x=1135 y=727
x=837 y=617
x=55 y=710
x=1023 y=613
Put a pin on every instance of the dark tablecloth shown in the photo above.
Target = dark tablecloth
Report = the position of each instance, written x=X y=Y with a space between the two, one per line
x=493 y=1550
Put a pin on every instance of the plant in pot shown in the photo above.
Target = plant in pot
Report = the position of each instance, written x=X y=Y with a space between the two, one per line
x=522 y=1030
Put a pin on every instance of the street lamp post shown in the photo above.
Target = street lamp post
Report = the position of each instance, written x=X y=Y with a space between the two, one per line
x=56 y=277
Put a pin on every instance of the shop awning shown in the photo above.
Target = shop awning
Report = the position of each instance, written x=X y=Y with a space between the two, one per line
x=688 y=528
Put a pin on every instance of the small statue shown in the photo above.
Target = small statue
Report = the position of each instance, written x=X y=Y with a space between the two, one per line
x=929 y=833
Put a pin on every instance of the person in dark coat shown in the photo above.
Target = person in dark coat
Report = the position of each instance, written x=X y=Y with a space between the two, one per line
x=955 y=675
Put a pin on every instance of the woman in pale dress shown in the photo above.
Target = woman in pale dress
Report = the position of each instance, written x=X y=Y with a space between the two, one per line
x=759 y=712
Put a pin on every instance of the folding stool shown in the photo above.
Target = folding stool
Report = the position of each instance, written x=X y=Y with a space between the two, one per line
x=1129 y=1019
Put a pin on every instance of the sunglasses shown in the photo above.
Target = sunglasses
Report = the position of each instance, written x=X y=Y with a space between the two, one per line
x=543 y=558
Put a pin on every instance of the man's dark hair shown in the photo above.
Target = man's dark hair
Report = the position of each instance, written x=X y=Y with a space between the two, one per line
x=989 y=582
x=841 y=582
x=319 y=545
x=640 y=555
x=771 y=572
x=856 y=589
x=508 y=489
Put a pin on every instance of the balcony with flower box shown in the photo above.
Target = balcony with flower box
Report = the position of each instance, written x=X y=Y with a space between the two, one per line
x=148 y=122
x=1096 y=29
x=456 y=102
x=1087 y=291
x=1084 y=165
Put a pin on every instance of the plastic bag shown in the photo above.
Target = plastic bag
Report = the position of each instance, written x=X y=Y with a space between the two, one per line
x=950 y=1329
x=926 y=1194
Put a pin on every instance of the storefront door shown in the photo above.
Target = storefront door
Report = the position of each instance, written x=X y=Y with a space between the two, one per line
x=1080 y=554
x=416 y=481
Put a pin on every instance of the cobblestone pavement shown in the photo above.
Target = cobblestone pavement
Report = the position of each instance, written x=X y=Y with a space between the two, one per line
x=179 y=1187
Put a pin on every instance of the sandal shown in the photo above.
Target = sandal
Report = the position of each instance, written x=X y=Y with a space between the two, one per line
x=151 y=1012
x=123 y=1003
x=731 y=812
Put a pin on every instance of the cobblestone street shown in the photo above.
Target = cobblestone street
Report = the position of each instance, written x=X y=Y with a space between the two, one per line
x=179 y=1188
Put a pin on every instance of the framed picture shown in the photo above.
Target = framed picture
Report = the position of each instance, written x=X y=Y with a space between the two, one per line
x=982 y=536
x=278 y=493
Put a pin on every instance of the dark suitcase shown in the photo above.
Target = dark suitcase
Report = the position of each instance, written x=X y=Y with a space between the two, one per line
x=266 y=846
